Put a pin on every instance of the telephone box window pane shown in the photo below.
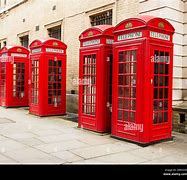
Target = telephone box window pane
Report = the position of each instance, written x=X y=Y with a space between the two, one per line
x=120 y=80
x=120 y=115
x=133 y=93
x=165 y=93
x=165 y=105
x=126 y=92
x=132 y=116
x=161 y=69
x=133 y=56
x=121 y=57
x=166 y=68
x=166 y=80
x=121 y=69
x=133 y=104
x=126 y=115
x=155 y=93
x=127 y=68
x=160 y=105
x=133 y=80
x=167 y=58
x=120 y=103
x=156 y=81
x=161 y=93
x=156 y=68
x=126 y=104
x=165 y=116
x=155 y=107
x=128 y=56
x=127 y=80
x=162 y=57
x=160 y=117
x=120 y=92
x=161 y=81
x=155 y=118
x=133 y=68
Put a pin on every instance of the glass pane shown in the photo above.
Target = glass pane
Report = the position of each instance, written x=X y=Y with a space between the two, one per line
x=125 y=115
x=133 y=56
x=120 y=68
x=121 y=56
x=165 y=116
x=120 y=103
x=120 y=80
x=120 y=115
x=126 y=104
x=120 y=92
x=126 y=92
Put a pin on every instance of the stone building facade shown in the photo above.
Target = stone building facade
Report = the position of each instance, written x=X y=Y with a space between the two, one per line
x=22 y=21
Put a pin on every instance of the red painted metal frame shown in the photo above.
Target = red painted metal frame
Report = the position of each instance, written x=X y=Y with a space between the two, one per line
x=57 y=53
x=145 y=46
x=100 y=121
x=18 y=54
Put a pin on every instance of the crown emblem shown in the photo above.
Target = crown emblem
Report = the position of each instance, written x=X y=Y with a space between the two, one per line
x=161 y=25
x=128 y=25
x=90 y=34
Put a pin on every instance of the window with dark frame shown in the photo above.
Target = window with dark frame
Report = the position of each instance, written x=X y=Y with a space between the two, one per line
x=4 y=43
x=55 y=32
x=101 y=18
x=24 y=40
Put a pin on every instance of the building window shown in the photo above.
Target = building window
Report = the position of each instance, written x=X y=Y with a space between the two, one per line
x=24 y=40
x=5 y=2
x=4 y=43
x=55 y=32
x=102 y=18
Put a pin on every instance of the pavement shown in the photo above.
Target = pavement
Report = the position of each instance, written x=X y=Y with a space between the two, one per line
x=28 y=139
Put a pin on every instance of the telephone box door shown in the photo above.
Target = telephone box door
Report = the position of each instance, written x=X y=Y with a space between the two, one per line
x=128 y=90
x=88 y=88
x=55 y=83
x=161 y=64
x=20 y=77
x=2 y=82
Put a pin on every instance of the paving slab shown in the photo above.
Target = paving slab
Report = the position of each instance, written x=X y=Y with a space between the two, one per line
x=31 y=141
x=172 y=159
x=10 y=145
x=101 y=150
x=57 y=138
x=61 y=146
x=121 y=158
x=22 y=135
x=31 y=155
x=6 y=160
x=67 y=156
x=46 y=132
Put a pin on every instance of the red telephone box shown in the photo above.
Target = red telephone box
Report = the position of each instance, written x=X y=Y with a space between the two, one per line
x=14 y=67
x=142 y=79
x=48 y=77
x=95 y=74
x=0 y=75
